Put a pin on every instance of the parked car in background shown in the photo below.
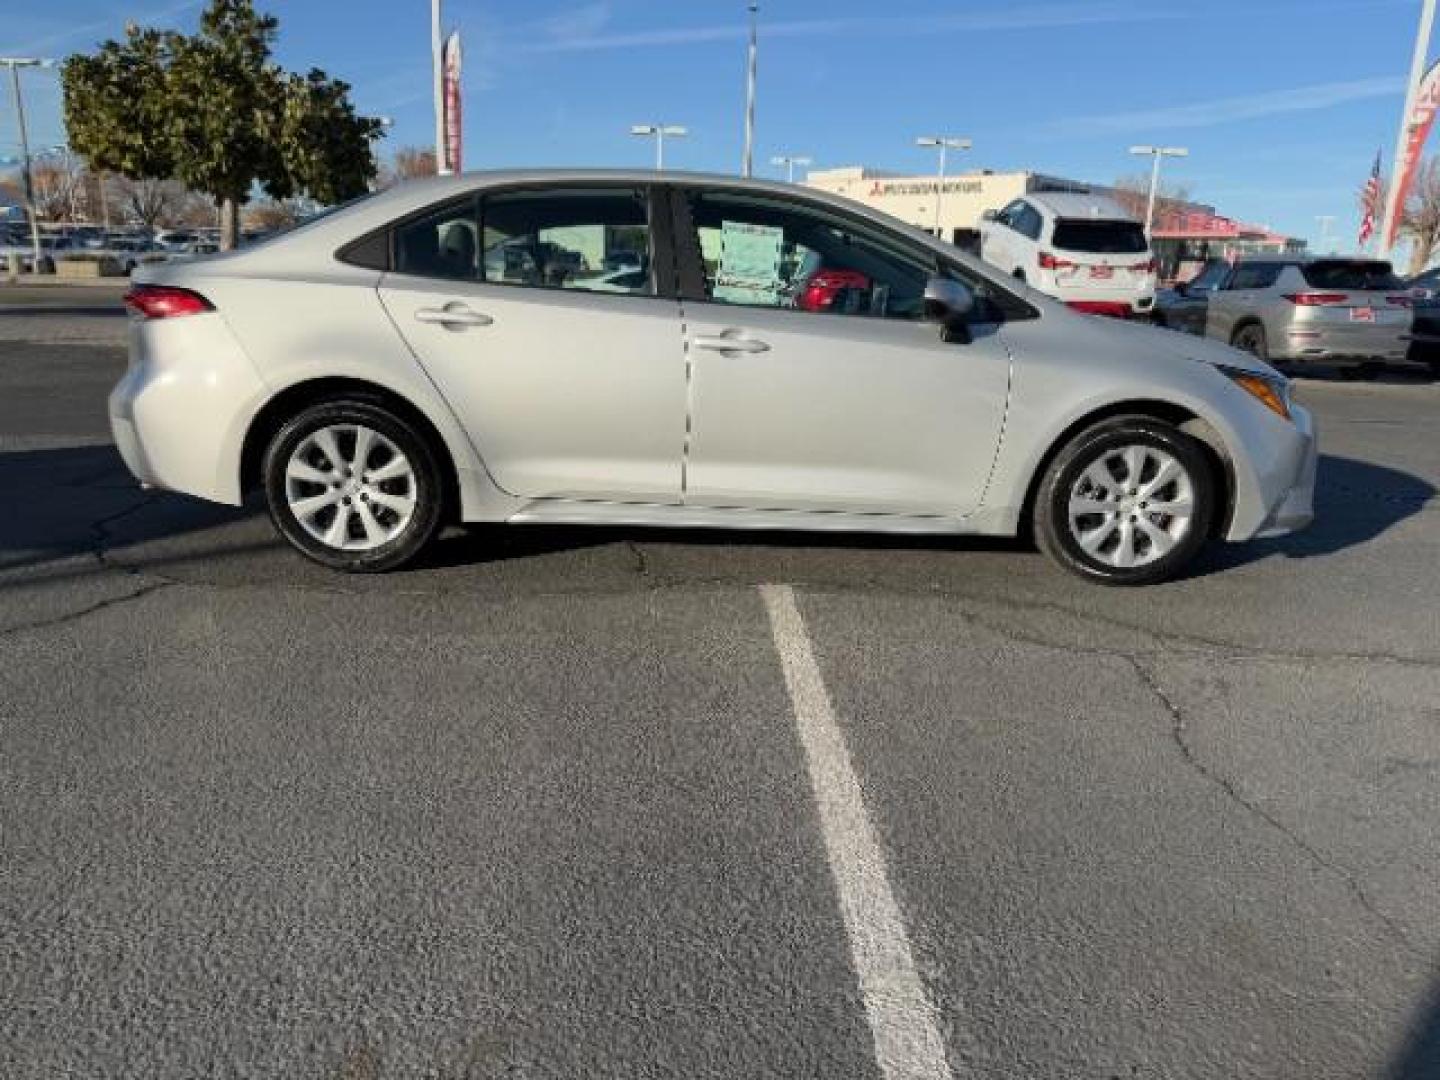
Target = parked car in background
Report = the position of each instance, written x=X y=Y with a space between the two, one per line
x=1082 y=249
x=1184 y=305
x=175 y=239
x=1425 y=329
x=378 y=373
x=624 y=260
x=1296 y=309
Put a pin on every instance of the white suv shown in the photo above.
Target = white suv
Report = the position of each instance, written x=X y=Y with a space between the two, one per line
x=1082 y=249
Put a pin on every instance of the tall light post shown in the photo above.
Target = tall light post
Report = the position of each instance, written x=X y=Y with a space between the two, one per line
x=1417 y=71
x=943 y=143
x=748 y=160
x=789 y=163
x=660 y=132
x=1156 y=153
x=15 y=63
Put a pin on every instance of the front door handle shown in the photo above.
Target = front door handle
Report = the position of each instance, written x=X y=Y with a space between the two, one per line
x=729 y=341
x=453 y=316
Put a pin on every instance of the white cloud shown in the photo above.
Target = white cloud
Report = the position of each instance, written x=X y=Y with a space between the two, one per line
x=1230 y=109
x=113 y=24
x=1041 y=17
x=578 y=23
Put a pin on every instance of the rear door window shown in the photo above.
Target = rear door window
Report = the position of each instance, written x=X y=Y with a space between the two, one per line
x=1100 y=236
x=1358 y=274
x=592 y=240
x=1255 y=275
x=1028 y=221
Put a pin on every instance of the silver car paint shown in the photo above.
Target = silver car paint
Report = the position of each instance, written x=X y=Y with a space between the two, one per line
x=298 y=314
x=1336 y=335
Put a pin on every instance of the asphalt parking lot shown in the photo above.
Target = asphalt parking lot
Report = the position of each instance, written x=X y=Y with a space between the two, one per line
x=573 y=803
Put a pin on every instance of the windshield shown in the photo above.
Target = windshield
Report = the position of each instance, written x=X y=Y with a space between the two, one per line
x=1359 y=274
x=1100 y=236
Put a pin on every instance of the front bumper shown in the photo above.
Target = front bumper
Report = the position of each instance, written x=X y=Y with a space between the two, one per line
x=1293 y=508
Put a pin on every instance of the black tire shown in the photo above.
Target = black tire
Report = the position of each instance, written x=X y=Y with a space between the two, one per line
x=1250 y=337
x=1052 y=523
x=425 y=484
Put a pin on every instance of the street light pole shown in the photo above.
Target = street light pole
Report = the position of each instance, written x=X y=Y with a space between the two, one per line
x=659 y=131
x=1156 y=153
x=15 y=63
x=1417 y=71
x=747 y=162
x=943 y=143
x=789 y=163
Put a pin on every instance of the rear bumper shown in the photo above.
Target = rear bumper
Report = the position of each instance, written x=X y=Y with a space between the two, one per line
x=1308 y=343
x=180 y=411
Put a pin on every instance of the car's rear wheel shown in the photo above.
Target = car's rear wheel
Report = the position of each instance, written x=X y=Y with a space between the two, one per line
x=1251 y=338
x=1126 y=502
x=354 y=486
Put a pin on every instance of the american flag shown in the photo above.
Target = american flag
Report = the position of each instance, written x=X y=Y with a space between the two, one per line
x=1370 y=203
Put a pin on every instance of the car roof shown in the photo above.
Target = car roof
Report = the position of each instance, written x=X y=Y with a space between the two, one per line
x=1074 y=204
x=320 y=237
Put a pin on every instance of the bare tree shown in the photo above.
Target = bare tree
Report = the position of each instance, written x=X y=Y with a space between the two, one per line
x=1133 y=193
x=1421 y=222
x=271 y=214
x=145 y=202
x=58 y=184
x=409 y=163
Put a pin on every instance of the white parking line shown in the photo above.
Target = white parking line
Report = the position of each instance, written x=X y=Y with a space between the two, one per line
x=902 y=1020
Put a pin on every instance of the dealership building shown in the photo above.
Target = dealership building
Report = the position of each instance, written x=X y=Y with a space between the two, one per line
x=1185 y=234
x=964 y=197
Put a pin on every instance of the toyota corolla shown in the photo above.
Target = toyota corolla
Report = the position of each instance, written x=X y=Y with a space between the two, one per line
x=463 y=349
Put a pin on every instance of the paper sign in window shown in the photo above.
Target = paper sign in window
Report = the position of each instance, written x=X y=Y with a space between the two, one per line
x=750 y=258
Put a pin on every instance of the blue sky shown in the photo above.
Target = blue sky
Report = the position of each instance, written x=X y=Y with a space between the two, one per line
x=1282 y=103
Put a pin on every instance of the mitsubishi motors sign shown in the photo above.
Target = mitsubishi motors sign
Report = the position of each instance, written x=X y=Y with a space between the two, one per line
x=922 y=187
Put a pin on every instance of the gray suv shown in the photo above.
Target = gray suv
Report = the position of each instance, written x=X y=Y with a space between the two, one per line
x=1294 y=308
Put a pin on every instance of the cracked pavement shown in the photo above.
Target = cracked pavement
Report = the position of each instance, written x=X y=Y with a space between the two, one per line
x=537 y=809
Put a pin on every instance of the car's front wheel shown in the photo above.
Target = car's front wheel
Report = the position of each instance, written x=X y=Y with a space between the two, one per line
x=1126 y=502
x=354 y=486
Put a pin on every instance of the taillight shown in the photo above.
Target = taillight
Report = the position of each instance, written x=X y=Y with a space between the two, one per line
x=1148 y=267
x=165 y=301
x=1316 y=299
x=1052 y=262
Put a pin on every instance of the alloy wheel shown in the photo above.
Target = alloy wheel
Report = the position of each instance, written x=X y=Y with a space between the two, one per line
x=350 y=487
x=1131 y=506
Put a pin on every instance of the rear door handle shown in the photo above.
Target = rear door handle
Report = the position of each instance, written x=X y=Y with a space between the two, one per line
x=730 y=341
x=453 y=316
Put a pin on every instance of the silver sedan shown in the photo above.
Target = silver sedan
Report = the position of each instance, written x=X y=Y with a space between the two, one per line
x=456 y=349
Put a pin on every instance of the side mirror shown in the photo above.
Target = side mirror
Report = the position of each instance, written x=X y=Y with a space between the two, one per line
x=949 y=303
x=989 y=215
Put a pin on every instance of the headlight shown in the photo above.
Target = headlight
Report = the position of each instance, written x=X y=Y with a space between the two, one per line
x=1270 y=391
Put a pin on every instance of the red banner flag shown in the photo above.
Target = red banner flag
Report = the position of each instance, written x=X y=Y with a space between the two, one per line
x=1417 y=130
x=451 y=84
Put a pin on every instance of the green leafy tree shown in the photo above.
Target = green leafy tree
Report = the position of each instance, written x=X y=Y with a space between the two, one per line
x=213 y=111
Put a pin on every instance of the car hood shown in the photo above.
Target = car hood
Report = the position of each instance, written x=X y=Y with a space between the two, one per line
x=1172 y=344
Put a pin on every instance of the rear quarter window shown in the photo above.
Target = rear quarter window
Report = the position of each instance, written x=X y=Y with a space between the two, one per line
x=1350 y=274
x=1100 y=237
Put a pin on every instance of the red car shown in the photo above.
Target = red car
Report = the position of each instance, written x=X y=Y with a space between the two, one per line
x=826 y=286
